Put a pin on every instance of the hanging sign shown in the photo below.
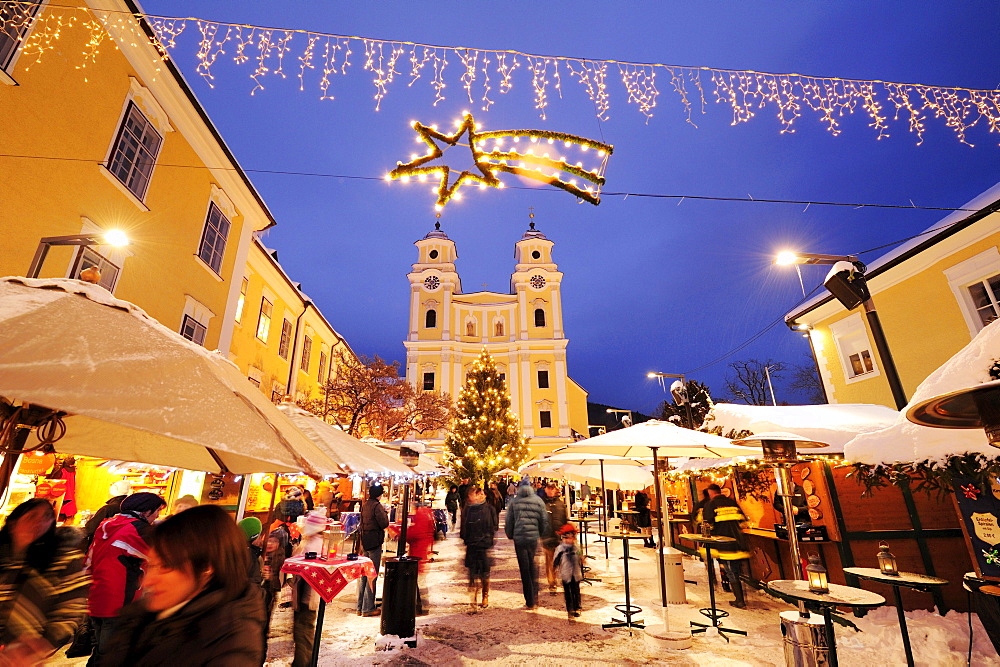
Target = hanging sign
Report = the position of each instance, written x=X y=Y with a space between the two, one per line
x=979 y=510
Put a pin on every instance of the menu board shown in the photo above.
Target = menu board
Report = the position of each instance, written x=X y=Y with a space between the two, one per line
x=979 y=509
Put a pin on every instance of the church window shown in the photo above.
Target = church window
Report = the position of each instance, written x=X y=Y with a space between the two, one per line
x=498 y=328
x=431 y=319
x=539 y=317
x=470 y=328
x=428 y=381
x=433 y=254
x=543 y=379
x=535 y=254
x=544 y=419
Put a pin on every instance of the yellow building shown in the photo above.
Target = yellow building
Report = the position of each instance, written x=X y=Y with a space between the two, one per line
x=121 y=145
x=278 y=329
x=932 y=294
x=522 y=330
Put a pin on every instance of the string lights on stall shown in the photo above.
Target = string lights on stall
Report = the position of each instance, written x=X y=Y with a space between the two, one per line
x=318 y=58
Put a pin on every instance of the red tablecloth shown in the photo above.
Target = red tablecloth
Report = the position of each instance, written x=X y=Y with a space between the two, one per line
x=393 y=530
x=328 y=577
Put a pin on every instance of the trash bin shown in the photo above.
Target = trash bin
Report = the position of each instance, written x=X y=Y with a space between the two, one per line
x=399 y=599
x=805 y=640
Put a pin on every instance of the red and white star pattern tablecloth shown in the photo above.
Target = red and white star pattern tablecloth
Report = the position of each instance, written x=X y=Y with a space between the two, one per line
x=328 y=577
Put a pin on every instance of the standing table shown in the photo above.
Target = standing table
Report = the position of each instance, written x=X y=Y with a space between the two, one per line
x=712 y=612
x=839 y=596
x=583 y=521
x=327 y=578
x=628 y=609
x=918 y=582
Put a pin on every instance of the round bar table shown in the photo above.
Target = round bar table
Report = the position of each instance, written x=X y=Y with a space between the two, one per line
x=839 y=596
x=628 y=609
x=918 y=582
x=712 y=612
x=583 y=521
x=628 y=518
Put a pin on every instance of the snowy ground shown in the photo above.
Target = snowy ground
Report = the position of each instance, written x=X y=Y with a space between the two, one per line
x=506 y=633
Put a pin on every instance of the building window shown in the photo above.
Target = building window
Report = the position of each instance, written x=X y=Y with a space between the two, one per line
x=15 y=19
x=307 y=346
x=984 y=298
x=852 y=342
x=286 y=339
x=428 y=381
x=321 y=374
x=277 y=393
x=539 y=317
x=135 y=151
x=543 y=379
x=88 y=257
x=431 y=319
x=503 y=377
x=264 y=321
x=213 y=238
x=498 y=328
x=254 y=375
x=242 y=300
x=544 y=419
x=193 y=330
x=470 y=328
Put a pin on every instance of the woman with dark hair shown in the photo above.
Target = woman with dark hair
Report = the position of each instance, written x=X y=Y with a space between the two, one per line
x=43 y=589
x=198 y=606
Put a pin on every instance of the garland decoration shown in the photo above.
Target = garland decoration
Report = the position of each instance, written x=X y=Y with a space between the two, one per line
x=483 y=74
x=534 y=162
x=933 y=477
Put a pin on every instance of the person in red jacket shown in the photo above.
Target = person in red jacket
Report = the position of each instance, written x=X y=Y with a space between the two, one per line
x=420 y=538
x=115 y=561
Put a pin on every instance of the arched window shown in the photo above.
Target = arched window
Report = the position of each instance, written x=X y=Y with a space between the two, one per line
x=470 y=328
x=498 y=328
x=431 y=318
x=539 y=317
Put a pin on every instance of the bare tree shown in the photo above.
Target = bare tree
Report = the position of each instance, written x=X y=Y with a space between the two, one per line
x=747 y=381
x=806 y=380
x=367 y=397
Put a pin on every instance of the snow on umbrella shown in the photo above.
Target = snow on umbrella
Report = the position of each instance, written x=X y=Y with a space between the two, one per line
x=350 y=453
x=669 y=439
x=122 y=386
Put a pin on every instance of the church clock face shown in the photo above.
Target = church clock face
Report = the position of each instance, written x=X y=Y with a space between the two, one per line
x=431 y=283
x=538 y=282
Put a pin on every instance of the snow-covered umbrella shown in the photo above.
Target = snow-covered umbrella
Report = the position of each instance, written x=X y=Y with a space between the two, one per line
x=75 y=360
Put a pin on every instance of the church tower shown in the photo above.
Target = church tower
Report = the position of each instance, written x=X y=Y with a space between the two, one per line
x=522 y=330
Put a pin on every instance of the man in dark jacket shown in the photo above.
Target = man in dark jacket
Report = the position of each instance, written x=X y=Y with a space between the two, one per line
x=374 y=521
x=110 y=508
x=558 y=517
x=479 y=525
x=643 y=518
x=527 y=520
x=724 y=515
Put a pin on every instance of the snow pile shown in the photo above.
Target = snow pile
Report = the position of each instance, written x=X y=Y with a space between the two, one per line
x=905 y=441
x=833 y=424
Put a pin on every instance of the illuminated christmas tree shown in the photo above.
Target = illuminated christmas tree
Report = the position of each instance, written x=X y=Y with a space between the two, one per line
x=485 y=435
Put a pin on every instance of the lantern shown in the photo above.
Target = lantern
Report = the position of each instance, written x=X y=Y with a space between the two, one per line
x=816 y=575
x=886 y=561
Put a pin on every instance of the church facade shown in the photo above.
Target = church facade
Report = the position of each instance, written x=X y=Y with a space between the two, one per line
x=523 y=332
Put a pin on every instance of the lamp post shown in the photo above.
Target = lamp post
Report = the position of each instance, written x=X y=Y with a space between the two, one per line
x=680 y=393
x=626 y=421
x=113 y=237
x=846 y=281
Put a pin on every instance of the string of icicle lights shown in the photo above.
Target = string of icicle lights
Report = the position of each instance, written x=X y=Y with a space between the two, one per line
x=318 y=59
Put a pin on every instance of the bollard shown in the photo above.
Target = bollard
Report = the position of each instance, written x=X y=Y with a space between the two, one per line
x=399 y=599
x=805 y=640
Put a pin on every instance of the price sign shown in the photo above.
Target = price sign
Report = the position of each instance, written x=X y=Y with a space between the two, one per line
x=979 y=509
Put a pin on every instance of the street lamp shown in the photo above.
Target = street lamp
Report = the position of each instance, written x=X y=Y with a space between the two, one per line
x=846 y=281
x=112 y=237
x=679 y=390
x=626 y=420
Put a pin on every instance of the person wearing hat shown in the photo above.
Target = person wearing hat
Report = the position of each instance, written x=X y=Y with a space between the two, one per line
x=293 y=506
x=569 y=561
x=116 y=557
x=374 y=521
x=252 y=528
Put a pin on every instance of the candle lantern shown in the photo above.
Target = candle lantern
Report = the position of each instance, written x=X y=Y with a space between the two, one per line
x=886 y=561
x=816 y=574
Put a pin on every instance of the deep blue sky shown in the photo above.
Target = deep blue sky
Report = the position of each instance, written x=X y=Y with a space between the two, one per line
x=649 y=284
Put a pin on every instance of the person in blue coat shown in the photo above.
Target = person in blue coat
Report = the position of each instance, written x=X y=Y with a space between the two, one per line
x=527 y=520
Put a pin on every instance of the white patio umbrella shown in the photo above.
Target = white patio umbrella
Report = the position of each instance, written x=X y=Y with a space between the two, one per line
x=350 y=453
x=122 y=386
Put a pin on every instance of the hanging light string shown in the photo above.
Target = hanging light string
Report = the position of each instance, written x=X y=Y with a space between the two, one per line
x=317 y=59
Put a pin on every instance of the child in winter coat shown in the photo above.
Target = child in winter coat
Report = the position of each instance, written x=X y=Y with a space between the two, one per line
x=568 y=561
x=271 y=578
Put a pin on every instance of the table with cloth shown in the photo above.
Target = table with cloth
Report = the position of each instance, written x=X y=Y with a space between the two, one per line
x=328 y=578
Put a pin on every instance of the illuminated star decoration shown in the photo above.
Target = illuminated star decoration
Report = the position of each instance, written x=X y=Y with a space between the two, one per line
x=991 y=556
x=970 y=491
x=535 y=162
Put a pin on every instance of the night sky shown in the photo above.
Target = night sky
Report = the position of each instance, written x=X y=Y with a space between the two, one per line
x=650 y=283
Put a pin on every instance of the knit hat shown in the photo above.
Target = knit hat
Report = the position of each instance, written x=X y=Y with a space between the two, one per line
x=251 y=527
x=525 y=481
x=293 y=492
x=313 y=522
x=142 y=502
x=376 y=491
x=121 y=488
x=568 y=529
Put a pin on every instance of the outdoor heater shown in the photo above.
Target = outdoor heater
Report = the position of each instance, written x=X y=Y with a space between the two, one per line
x=973 y=407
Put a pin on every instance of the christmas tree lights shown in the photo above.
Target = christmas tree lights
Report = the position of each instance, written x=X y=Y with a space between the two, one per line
x=485 y=435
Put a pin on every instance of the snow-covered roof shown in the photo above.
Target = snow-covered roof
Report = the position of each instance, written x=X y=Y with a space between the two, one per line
x=833 y=424
x=942 y=227
x=905 y=441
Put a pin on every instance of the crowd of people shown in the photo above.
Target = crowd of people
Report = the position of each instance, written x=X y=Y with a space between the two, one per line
x=130 y=589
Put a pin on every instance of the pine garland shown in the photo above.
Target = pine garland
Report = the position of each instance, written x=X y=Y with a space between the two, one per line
x=485 y=434
x=931 y=477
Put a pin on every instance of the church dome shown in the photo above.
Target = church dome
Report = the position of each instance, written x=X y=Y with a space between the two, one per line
x=437 y=233
x=532 y=233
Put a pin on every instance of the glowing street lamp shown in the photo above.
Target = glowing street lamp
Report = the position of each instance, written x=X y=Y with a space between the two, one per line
x=112 y=237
